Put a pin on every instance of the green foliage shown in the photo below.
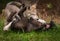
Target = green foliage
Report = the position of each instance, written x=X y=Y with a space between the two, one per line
x=50 y=35
x=49 y=5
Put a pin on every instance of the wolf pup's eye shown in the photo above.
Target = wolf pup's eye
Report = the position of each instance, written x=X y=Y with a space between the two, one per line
x=37 y=19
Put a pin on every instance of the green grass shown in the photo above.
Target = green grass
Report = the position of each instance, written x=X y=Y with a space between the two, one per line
x=50 y=35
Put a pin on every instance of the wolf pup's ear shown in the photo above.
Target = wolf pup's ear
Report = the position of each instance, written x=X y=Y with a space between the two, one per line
x=23 y=5
x=28 y=7
x=52 y=23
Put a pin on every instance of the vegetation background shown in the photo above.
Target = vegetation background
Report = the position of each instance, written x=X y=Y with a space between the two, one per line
x=51 y=8
x=45 y=8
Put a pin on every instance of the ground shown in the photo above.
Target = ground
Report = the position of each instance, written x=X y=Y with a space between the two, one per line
x=50 y=35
